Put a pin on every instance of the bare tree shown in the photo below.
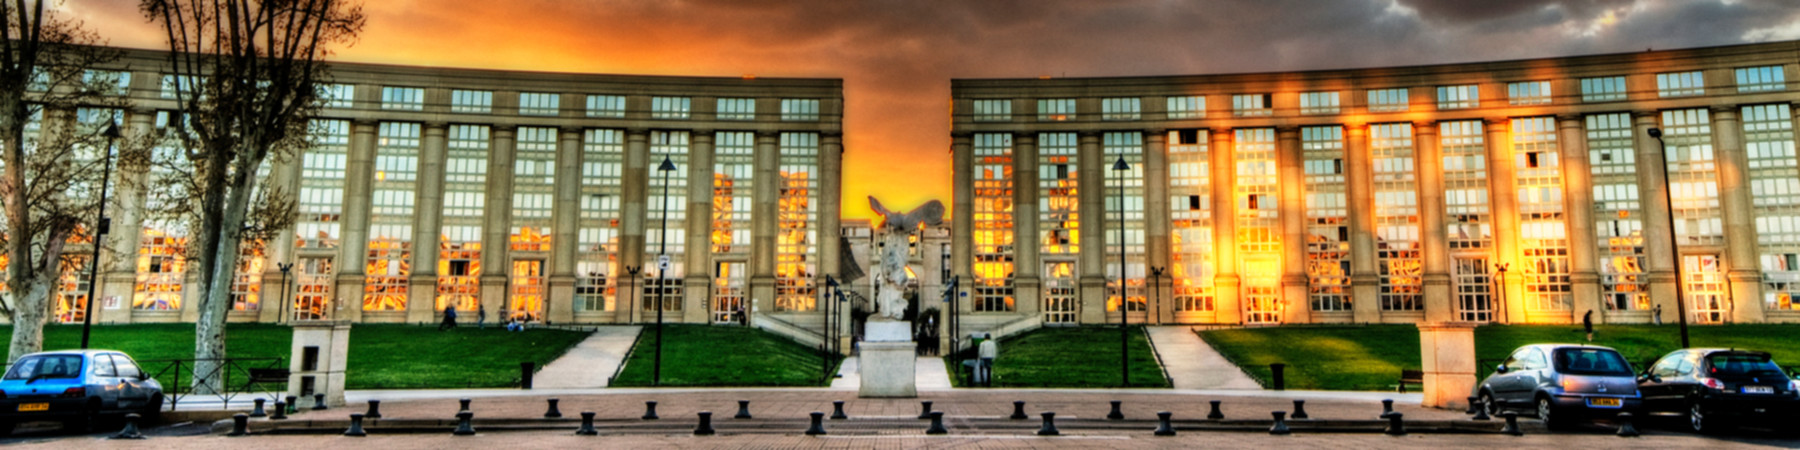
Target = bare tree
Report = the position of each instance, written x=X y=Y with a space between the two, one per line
x=247 y=73
x=51 y=162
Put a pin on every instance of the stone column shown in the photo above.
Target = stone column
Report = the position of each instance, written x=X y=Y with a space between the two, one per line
x=1156 y=226
x=353 y=249
x=285 y=176
x=763 y=210
x=1365 y=282
x=1504 y=196
x=421 y=302
x=1447 y=360
x=1440 y=304
x=1027 y=264
x=118 y=277
x=1741 y=263
x=1578 y=208
x=1226 y=282
x=831 y=197
x=633 y=190
x=496 y=228
x=1659 y=248
x=1093 y=228
x=565 y=228
x=962 y=228
x=697 y=282
x=1290 y=160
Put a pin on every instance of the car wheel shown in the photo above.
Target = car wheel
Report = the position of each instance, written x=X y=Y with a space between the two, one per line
x=1487 y=403
x=1700 y=422
x=1546 y=412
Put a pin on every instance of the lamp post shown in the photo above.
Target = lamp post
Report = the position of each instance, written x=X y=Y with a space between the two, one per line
x=1505 y=313
x=1121 y=167
x=1674 y=244
x=662 y=269
x=101 y=223
x=831 y=286
x=1156 y=307
x=286 y=302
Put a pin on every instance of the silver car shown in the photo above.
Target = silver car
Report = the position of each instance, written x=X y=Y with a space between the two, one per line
x=75 y=387
x=1562 y=383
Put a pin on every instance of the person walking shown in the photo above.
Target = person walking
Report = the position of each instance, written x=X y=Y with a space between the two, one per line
x=1587 y=323
x=481 y=317
x=990 y=349
x=449 y=318
x=1658 y=315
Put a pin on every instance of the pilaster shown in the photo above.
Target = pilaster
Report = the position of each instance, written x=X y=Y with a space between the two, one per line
x=1440 y=304
x=119 y=274
x=353 y=249
x=1365 y=283
x=421 y=302
x=1027 y=263
x=633 y=191
x=1659 y=248
x=1578 y=208
x=565 y=236
x=496 y=229
x=1501 y=190
x=697 y=281
x=1289 y=162
x=1226 y=281
x=1741 y=265
x=1093 y=226
x=1156 y=226
x=764 y=207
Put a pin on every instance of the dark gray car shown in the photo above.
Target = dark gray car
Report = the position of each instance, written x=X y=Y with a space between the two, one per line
x=1562 y=383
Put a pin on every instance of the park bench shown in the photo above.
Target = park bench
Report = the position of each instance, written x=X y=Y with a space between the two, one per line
x=266 y=378
x=1409 y=376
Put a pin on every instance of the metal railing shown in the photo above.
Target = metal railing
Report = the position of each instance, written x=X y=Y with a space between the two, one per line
x=232 y=376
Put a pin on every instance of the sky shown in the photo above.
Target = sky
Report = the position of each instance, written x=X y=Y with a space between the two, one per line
x=897 y=57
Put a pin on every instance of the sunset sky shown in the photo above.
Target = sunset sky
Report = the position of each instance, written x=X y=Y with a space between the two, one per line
x=897 y=57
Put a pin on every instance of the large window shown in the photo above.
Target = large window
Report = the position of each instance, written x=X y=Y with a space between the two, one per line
x=1187 y=107
x=1388 y=100
x=113 y=82
x=1761 y=79
x=1775 y=193
x=1680 y=84
x=1397 y=244
x=1122 y=108
x=534 y=189
x=540 y=104
x=1693 y=176
x=389 y=260
x=1252 y=105
x=736 y=109
x=1190 y=188
x=1319 y=102
x=664 y=232
x=472 y=102
x=733 y=185
x=992 y=110
x=1327 y=219
x=1543 y=234
x=332 y=95
x=669 y=107
x=597 y=262
x=321 y=199
x=802 y=109
x=1458 y=97
x=402 y=98
x=1466 y=206
x=1126 y=211
x=1055 y=109
x=612 y=106
x=993 y=222
x=1602 y=89
x=797 y=223
x=1529 y=92
x=465 y=206
x=1618 y=214
x=1258 y=224
x=1059 y=225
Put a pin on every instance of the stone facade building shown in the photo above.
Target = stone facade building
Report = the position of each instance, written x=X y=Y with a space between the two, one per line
x=1524 y=191
x=528 y=194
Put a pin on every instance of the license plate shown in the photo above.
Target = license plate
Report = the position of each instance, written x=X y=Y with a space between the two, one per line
x=1759 y=389
x=34 y=407
x=1606 y=402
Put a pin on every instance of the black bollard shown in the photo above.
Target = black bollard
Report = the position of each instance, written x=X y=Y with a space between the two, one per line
x=1300 y=410
x=240 y=425
x=1472 y=402
x=1396 y=427
x=837 y=410
x=587 y=424
x=525 y=371
x=1512 y=424
x=1480 y=413
x=1278 y=380
x=705 y=426
x=280 y=411
x=463 y=427
x=464 y=404
x=293 y=404
x=258 y=411
x=1215 y=414
x=1626 y=429
x=1115 y=414
x=356 y=429
x=743 y=410
x=318 y=402
x=937 y=424
x=818 y=424
x=1387 y=407
x=552 y=413
x=1280 y=428
x=374 y=410
x=1163 y=428
x=650 y=411
x=925 y=409
x=1019 y=411
x=1049 y=428
x=131 y=428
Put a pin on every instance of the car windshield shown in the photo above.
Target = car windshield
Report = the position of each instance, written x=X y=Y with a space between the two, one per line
x=1591 y=361
x=45 y=367
x=1742 y=364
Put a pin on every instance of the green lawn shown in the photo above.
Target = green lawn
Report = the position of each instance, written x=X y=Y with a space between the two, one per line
x=1073 y=357
x=381 y=356
x=1371 y=357
x=708 y=355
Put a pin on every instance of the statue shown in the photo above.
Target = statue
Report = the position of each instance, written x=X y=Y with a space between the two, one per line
x=890 y=267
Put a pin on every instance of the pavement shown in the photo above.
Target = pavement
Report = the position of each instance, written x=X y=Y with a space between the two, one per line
x=1192 y=364
x=591 y=362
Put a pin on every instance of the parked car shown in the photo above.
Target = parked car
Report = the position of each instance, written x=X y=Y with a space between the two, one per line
x=1562 y=384
x=1717 y=389
x=75 y=387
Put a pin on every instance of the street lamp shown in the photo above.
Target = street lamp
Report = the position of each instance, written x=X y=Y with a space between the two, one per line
x=1505 y=312
x=1674 y=244
x=1122 y=167
x=1156 y=307
x=662 y=269
x=286 y=302
x=101 y=223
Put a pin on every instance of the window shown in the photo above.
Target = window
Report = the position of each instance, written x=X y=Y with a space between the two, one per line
x=667 y=235
x=1319 y=103
x=1618 y=219
x=1693 y=176
x=736 y=109
x=1058 y=203
x=669 y=107
x=404 y=99
x=606 y=106
x=1128 y=241
x=999 y=110
x=465 y=197
x=799 y=109
x=1119 y=108
x=1258 y=223
x=993 y=256
x=1680 y=84
x=473 y=102
x=1327 y=219
x=321 y=197
x=1191 y=239
x=1397 y=243
x=389 y=256
x=1056 y=109
x=1775 y=197
x=796 y=236
x=733 y=186
x=597 y=259
x=1529 y=92
x=534 y=189
x=1187 y=107
x=1388 y=100
x=341 y=96
x=1761 y=79
x=539 y=104
x=173 y=86
x=1251 y=105
x=107 y=82
x=1602 y=89
x=1543 y=232
x=1458 y=97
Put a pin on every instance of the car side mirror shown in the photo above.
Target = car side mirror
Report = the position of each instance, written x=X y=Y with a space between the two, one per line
x=141 y=376
x=1500 y=368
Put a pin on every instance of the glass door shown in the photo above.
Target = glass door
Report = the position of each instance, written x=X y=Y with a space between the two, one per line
x=728 y=291
x=312 y=288
x=1262 y=291
x=1060 y=305
x=1473 y=287
x=1705 y=288
x=526 y=299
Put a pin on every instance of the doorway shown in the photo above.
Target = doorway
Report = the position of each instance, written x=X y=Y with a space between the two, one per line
x=728 y=291
x=526 y=295
x=1474 y=288
x=312 y=288
x=1705 y=288
x=1262 y=291
x=1060 y=306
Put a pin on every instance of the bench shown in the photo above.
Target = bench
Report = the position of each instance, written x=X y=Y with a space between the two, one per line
x=265 y=377
x=1408 y=376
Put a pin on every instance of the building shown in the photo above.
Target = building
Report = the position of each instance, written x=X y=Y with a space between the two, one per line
x=1512 y=191
x=527 y=194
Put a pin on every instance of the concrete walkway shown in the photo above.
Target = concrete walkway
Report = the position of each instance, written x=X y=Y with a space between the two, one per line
x=1194 y=365
x=589 y=363
x=849 y=375
x=930 y=374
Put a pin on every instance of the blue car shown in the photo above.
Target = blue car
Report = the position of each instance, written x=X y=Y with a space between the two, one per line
x=1562 y=384
x=75 y=387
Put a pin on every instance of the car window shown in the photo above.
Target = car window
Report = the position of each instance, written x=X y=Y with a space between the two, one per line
x=1741 y=364
x=1667 y=366
x=1518 y=360
x=1590 y=361
x=103 y=366
x=1536 y=360
x=1686 y=368
x=45 y=367
x=127 y=368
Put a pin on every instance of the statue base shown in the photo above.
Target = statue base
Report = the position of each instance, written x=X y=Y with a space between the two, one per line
x=887 y=362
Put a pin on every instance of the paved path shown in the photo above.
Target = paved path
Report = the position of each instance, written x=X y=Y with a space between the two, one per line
x=930 y=375
x=1194 y=365
x=849 y=375
x=589 y=363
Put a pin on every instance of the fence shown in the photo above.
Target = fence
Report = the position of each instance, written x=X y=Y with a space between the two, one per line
x=235 y=376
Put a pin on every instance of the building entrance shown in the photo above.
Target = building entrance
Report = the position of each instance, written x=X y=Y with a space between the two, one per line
x=312 y=288
x=526 y=296
x=1262 y=291
x=1474 y=288
x=1705 y=288
x=728 y=291
x=1060 y=305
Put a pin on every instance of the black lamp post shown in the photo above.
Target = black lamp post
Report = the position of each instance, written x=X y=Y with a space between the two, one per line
x=1121 y=167
x=831 y=286
x=101 y=223
x=662 y=270
x=1156 y=307
x=287 y=302
x=1674 y=243
x=1500 y=281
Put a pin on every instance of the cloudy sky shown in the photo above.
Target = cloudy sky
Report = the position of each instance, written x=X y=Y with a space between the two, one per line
x=897 y=56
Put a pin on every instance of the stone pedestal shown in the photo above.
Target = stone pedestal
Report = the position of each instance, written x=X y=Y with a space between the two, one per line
x=887 y=361
x=316 y=366
x=1447 y=354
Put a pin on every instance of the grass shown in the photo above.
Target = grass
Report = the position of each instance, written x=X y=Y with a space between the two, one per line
x=1371 y=357
x=1072 y=357
x=382 y=356
x=707 y=355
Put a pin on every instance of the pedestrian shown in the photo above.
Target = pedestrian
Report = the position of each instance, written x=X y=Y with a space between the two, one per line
x=1658 y=315
x=481 y=317
x=449 y=318
x=741 y=319
x=1587 y=323
x=990 y=349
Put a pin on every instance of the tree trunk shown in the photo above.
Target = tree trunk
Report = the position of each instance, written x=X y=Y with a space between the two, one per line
x=30 y=312
x=215 y=302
